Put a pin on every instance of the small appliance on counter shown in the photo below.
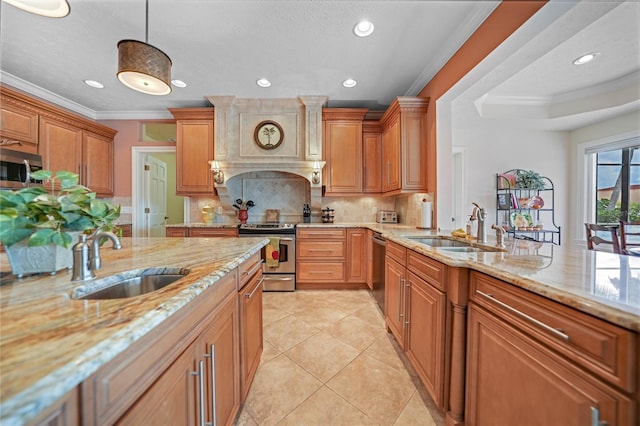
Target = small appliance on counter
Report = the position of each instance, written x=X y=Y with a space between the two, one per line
x=328 y=215
x=386 y=216
x=306 y=213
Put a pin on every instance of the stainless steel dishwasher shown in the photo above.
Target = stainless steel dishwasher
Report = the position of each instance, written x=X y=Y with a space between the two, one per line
x=379 y=249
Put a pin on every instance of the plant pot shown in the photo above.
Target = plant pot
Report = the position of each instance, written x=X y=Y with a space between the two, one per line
x=42 y=259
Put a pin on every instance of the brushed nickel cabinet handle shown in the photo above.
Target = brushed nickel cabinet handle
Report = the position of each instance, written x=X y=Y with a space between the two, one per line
x=539 y=323
x=254 y=290
x=400 y=286
x=406 y=301
x=253 y=269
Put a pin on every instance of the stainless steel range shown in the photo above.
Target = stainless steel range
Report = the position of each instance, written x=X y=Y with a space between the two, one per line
x=281 y=276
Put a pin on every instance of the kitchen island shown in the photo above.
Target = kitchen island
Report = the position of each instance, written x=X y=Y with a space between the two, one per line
x=50 y=342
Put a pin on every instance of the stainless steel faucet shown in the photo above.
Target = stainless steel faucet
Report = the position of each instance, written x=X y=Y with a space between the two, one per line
x=480 y=214
x=499 y=235
x=86 y=258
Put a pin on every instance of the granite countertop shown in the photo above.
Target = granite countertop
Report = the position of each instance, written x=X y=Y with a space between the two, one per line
x=50 y=343
x=601 y=284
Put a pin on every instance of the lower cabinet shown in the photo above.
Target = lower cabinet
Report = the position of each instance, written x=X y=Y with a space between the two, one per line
x=63 y=412
x=394 y=300
x=206 y=232
x=186 y=372
x=251 y=344
x=534 y=361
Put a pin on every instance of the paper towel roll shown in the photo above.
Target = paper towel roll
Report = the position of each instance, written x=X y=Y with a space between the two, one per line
x=425 y=214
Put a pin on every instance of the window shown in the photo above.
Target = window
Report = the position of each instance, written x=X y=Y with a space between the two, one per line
x=617 y=185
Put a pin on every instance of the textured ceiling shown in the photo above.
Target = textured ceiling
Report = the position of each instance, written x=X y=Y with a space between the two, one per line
x=222 y=48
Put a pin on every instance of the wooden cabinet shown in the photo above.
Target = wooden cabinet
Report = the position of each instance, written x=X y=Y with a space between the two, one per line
x=532 y=358
x=206 y=232
x=126 y=229
x=63 y=412
x=194 y=150
x=251 y=343
x=342 y=134
x=357 y=255
x=404 y=147
x=160 y=375
x=18 y=126
x=394 y=298
x=64 y=140
x=372 y=156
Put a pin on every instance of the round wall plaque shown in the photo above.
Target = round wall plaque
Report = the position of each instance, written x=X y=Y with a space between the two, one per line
x=268 y=134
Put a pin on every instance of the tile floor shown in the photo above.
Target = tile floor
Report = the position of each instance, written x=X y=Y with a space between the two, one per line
x=328 y=360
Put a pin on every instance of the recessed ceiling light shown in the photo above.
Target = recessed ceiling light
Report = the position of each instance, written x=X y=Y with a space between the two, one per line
x=178 y=83
x=48 y=8
x=349 y=82
x=263 y=82
x=586 y=58
x=363 y=29
x=95 y=84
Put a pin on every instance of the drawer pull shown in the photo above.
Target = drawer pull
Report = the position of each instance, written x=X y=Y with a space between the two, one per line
x=254 y=268
x=254 y=290
x=595 y=418
x=552 y=330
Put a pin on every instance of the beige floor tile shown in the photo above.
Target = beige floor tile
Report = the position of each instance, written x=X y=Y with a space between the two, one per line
x=384 y=351
x=271 y=314
x=245 y=419
x=415 y=413
x=322 y=355
x=378 y=390
x=371 y=314
x=324 y=408
x=356 y=332
x=320 y=317
x=288 y=332
x=280 y=386
x=269 y=352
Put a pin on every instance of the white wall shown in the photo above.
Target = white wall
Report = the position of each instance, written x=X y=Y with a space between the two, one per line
x=492 y=147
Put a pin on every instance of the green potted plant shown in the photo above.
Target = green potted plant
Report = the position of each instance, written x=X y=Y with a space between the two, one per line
x=528 y=179
x=38 y=227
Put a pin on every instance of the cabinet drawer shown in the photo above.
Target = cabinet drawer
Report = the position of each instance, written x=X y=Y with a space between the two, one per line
x=606 y=350
x=214 y=232
x=321 y=249
x=248 y=269
x=397 y=252
x=176 y=232
x=326 y=233
x=320 y=271
x=428 y=269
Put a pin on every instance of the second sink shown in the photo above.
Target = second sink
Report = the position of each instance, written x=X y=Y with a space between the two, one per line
x=143 y=283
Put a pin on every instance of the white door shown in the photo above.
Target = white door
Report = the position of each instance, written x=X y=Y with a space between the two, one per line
x=156 y=196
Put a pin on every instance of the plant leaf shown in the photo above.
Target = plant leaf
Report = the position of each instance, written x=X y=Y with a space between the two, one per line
x=41 y=237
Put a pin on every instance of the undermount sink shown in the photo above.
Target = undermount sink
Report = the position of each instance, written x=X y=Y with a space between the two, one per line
x=145 y=282
x=452 y=245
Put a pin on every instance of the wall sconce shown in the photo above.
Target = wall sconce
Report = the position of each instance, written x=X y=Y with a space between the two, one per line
x=218 y=175
x=315 y=177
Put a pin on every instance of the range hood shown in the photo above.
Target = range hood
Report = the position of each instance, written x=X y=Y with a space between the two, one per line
x=238 y=154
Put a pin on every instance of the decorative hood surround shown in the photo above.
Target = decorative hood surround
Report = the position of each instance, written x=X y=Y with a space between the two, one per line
x=237 y=153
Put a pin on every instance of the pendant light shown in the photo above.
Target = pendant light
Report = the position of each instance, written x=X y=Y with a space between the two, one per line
x=143 y=67
x=48 y=8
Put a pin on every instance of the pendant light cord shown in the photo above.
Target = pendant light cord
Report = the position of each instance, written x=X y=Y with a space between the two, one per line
x=146 y=26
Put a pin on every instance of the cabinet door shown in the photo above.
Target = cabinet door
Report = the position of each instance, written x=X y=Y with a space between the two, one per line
x=97 y=159
x=512 y=379
x=194 y=149
x=343 y=155
x=63 y=412
x=219 y=346
x=177 y=232
x=391 y=157
x=18 y=128
x=171 y=400
x=250 y=331
x=413 y=148
x=60 y=146
x=357 y=255
x=372 y=162
x=425 y=334
x=394 y=300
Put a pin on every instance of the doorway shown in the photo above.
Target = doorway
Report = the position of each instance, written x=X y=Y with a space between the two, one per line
x=147 y=191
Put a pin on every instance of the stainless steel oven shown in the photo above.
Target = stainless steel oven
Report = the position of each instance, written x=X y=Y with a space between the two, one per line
x=283 y=276
x=16 y=168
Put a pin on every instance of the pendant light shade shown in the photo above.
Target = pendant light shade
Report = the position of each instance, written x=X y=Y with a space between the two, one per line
x=48 y=8
x=144 y=68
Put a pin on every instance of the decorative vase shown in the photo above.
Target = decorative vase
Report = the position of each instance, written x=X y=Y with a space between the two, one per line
x=208 y=214
x=42 y=259
x=243 y=215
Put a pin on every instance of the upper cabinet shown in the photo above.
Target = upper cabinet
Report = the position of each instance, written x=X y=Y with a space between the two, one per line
x=372 y=156
x=194 y=150
x=404 y=146
x=65 y=141
x=342 y=134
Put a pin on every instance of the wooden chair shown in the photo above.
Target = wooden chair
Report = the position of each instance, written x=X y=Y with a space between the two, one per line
x=629 y=236
x=605 y=235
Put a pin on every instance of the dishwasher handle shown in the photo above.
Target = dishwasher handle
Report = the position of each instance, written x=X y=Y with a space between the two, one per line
x=379 y=240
